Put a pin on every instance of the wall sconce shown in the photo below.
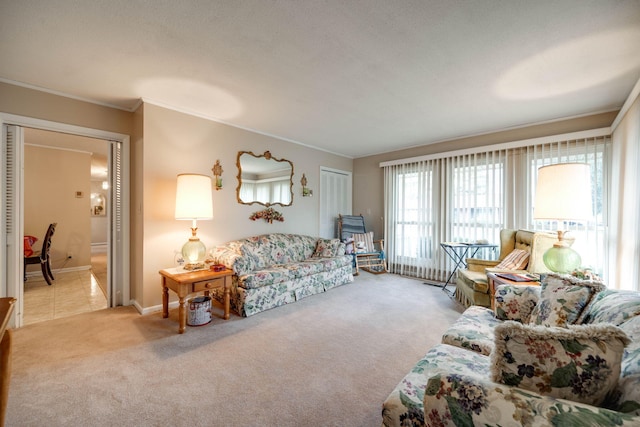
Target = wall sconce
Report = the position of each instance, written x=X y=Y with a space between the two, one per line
x=217 y=172
x=105 y=185
x=194 y=202
x=306 y=192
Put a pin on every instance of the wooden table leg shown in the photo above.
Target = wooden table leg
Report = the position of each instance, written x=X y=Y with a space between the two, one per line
x=165 y=298
x=227 y=298
x=182 y=315
x=5 y=373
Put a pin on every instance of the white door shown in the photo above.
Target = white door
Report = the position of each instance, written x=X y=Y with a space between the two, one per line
x=11 y=254
x=335 y=199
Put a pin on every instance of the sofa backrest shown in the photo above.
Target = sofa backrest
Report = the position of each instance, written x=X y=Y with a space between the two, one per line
x=276 y=248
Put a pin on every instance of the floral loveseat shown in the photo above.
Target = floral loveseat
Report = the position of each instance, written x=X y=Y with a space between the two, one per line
x=276 y=269
x=553 y=355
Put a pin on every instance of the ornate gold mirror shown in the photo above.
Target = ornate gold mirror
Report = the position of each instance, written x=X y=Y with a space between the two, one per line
x=264 y=180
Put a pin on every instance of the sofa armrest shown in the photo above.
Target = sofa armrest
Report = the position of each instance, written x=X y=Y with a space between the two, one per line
x=458 y=399
x=480 y=265
x=516 y=302
x=230 y=258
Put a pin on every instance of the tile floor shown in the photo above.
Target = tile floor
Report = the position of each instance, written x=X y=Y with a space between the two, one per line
x=72 y=292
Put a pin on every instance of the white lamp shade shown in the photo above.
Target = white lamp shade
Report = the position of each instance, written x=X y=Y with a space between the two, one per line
x=194 y=197
x=563 y=192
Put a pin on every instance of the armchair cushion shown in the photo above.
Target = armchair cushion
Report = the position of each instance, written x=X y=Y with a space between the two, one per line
x=579 y=363
x=516 y=260
x=563 y=298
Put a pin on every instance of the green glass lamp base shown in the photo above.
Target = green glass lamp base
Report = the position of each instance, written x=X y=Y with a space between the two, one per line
x=561 y=259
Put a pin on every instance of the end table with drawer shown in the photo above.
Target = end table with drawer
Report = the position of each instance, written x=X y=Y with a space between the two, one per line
x=184 y=283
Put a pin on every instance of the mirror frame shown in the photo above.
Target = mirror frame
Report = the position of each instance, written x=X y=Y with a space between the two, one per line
x=267 y=155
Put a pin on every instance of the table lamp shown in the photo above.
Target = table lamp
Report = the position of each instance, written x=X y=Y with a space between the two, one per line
x=563 y=193
x=194 y=202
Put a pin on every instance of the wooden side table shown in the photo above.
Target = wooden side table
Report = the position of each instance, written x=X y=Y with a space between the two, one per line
x=6 y=308
x=495 y=281
x=184 y=283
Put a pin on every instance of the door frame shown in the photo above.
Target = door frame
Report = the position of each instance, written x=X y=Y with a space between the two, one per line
x=11 y=253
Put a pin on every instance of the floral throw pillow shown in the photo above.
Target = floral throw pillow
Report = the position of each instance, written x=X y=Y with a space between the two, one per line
x=328 y=248
x=563 y=298
x=516 y=302
x=516 y=260
x=579 y=363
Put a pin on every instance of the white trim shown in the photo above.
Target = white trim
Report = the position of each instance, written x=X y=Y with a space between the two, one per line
x=154 y=308
x=66 y=95
x=340 y=171
x=592 y=133
x=49 y=147
x=12 y=119
x=24 y=121
x=633 y=95
x=36 y=273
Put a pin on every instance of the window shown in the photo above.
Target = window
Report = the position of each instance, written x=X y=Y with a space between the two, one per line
x=473 y=196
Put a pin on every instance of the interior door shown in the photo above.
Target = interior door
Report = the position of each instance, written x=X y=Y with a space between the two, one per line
x=11 y=264
x=335 y=199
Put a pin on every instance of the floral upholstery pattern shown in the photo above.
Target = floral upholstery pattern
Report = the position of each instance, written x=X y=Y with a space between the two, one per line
x=516 y=302
x=563 y=299
x=453 y=399
x=473 y=330
x=276 y=269
x=612 y=306
x=404 y=406
x=579 y=362
x=457 y=389
x=626 y=397
x=328 y=248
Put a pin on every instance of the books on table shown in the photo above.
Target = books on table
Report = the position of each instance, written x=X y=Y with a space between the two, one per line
x=519 y=277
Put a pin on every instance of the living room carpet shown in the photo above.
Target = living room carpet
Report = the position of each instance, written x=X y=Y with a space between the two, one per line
x=327 y=360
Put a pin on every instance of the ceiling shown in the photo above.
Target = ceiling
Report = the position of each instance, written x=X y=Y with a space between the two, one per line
x=355 y=77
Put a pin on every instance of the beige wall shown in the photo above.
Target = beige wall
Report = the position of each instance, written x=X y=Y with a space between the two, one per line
x=165 y=143
x=41 y=105
x=178 y=143
x=368 y=182
x=51 y=179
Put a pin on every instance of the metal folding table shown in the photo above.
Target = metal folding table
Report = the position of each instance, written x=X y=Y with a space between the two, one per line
x=459 y=252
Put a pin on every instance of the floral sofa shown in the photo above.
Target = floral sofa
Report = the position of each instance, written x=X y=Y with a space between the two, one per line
x=566 y=353
x=275 y=269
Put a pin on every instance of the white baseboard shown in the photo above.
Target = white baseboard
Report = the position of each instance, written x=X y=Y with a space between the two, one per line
x=59 y=270
x=154 y=308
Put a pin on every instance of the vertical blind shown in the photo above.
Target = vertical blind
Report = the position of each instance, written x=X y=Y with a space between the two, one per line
x=472 y=196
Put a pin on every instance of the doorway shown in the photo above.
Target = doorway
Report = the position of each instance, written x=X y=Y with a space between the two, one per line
x=13 y=204
x=66 y=182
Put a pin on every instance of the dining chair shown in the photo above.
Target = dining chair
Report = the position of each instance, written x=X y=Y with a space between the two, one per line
x=42 y=257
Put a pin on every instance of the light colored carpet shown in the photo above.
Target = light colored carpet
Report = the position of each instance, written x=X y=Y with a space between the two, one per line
x=328 y=360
